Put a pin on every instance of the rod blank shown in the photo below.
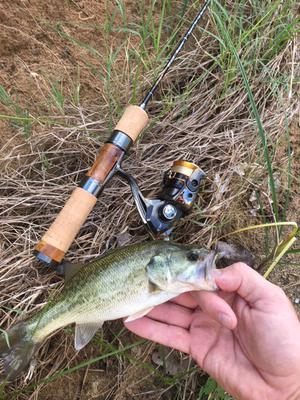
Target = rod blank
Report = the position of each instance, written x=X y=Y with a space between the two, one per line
x=59 y=237
x=174 y=55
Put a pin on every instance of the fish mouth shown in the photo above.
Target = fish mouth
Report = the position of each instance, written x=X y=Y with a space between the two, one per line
x=231 y=253
x=206 y=267
x=200 y=276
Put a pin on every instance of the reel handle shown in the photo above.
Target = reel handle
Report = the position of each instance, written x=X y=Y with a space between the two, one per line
x=59 y=237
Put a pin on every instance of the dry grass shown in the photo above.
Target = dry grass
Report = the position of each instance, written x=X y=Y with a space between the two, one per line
x=195 y=118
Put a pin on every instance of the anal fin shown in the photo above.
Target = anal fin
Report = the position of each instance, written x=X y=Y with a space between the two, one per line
x=139 y=315
x=84 y=333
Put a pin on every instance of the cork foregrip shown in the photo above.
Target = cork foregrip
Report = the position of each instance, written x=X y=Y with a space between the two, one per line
x=133 y=121
x=69 y=221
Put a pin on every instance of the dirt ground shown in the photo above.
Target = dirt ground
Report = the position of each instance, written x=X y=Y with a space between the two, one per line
x=33 y=55
x=42 y=70
x=33 y=51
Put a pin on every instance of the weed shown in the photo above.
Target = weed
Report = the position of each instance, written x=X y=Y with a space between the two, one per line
x=21 y=117
x=212 y=391
x=227 y=105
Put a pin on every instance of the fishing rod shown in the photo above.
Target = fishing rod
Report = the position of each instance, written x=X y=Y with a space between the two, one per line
x=180 y=186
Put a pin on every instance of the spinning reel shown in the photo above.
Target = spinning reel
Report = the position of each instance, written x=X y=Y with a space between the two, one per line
x=180 y=187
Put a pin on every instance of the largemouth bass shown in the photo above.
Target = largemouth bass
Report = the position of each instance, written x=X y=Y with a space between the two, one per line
x=127 y=282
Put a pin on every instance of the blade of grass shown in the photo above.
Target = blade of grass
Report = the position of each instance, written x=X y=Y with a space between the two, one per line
x=160 y=26
x=261 y=131
x=59 y=374
x=294 y=251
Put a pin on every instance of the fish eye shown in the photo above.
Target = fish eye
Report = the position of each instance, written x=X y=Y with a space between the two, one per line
x=192 y=256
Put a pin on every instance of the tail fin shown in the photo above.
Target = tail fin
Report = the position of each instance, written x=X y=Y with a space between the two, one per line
x=16 y=350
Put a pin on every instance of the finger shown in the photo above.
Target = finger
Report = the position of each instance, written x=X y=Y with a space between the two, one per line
x=185 y=300
x=249 y=284
x=168 y=335
x=172 y=314
x=217 y=308
x=228 y=297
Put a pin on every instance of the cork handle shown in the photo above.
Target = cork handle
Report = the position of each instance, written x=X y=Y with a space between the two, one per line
x=57 y=240
x=133 y=121
x=68 y=223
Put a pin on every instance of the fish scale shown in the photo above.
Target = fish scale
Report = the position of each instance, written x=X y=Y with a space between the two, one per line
x=96 y=287
x=127 y=282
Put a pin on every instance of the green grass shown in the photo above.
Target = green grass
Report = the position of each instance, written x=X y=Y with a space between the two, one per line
x=244 y=51
x=56 y=90
x=294 y=251
x=107 y=351
x=249 y=36
x=212 y=391
x=223 y=20
x=114 y=353
x=21 y=117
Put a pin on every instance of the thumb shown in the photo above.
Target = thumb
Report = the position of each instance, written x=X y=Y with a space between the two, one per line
x=247 y=283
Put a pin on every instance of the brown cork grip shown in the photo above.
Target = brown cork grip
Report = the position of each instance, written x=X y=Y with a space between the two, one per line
x=133 y=121
x=57 y=240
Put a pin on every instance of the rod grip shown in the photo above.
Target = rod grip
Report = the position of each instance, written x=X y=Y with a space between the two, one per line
x=133 y=121
x=59 y=237
x=62 y=232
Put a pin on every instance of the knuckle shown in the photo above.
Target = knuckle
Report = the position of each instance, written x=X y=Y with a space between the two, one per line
x=239 y=266
x=278 y=291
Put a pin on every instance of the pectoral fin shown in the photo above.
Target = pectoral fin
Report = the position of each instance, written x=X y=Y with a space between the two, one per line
x=153 y=288
x=139 y=315
x=157 y=270
x=84 y=333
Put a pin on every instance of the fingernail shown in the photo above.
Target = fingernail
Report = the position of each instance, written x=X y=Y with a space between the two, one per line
x=225 y=320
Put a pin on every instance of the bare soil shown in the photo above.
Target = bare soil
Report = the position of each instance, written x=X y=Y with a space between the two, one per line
x=32 y=49
x=35 y=53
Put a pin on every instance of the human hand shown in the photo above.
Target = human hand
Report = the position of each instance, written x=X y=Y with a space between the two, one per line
x=246 y=336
